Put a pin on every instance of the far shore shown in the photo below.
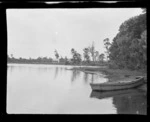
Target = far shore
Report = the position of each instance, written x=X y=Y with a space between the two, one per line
x=74 y=65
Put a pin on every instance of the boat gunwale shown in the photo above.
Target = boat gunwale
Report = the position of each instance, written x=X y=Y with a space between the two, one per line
x=118 y=83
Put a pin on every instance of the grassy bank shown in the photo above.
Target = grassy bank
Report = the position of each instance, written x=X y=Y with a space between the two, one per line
x=110 y=71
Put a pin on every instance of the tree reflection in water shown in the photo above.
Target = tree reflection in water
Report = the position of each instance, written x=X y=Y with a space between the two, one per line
x=131 y=104
x=11 y=68
x=75 y=74
x=56 y=72
x=86 y=77
x=130 y=101
x=93 y=77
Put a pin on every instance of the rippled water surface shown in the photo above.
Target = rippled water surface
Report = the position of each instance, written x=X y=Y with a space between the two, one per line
x=52 y=89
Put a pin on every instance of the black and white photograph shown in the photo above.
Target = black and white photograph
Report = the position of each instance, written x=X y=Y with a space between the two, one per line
x=76 y=61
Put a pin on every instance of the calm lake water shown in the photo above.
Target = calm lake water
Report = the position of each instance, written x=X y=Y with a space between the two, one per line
x=52 y=89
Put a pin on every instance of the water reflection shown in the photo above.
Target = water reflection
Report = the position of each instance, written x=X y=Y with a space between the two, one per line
x=94 y=78
x=13 y=68
x=42 y=69
x=54 y=89
x=61 y=68
x=75 y=75
x=131 y=104
x=56 y=72
x=125 y=101
x=10 y=68
x=86 y=77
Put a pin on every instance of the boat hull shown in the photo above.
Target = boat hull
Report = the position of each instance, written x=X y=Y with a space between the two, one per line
x=117 y=86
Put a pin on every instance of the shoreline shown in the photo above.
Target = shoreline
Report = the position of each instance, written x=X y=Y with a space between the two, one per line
x=115 y=74
x=109 y=72
x=57 y=64
x=104 y=71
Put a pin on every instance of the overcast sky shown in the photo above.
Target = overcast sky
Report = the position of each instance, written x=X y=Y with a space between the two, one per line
x=38 y=32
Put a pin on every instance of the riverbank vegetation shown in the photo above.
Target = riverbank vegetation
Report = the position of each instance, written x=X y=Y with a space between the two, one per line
x=127 y=53
x=129 y=47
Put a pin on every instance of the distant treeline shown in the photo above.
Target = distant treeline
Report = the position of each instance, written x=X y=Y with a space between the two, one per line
x=39 y=60
x=45 y=60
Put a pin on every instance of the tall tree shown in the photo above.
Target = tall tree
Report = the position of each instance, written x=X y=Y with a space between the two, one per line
x=86 y=54
x=92 y=51
x=66 y=60
x=107 y=46
x=101 y=57
x=73 y=52
x=96 y=55
x=76 y=57
x=56 y=54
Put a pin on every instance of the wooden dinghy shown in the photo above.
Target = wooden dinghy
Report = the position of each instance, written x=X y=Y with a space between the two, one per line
x=117 y=85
